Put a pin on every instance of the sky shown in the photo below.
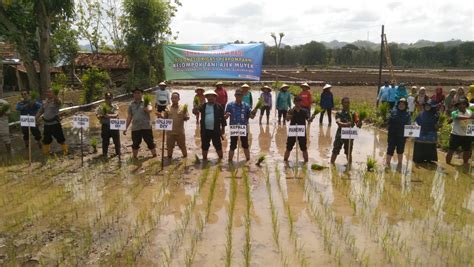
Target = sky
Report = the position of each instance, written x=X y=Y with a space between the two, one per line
x=221 y=21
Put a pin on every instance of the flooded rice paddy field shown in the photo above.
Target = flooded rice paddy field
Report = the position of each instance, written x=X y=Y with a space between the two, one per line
x=119 y=213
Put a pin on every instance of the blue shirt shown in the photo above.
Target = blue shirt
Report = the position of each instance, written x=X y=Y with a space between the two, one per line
x=392 y=94
x=25 y=109
x=283 y=101
x=209 y=122
x=239 y=114
x=383 y=93
x=248 y=99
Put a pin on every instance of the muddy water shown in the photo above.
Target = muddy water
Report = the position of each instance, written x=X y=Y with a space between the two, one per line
x=131 y=213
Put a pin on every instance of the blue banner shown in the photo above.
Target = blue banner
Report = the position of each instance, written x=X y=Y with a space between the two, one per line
x=213 y=61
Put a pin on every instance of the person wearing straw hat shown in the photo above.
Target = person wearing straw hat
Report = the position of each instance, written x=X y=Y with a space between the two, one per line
x=139 y=117
x=247 y=95
x=212 y=124
x=461 y=117
x=221 y=94
x=306 y=99
x=424 y=148
x=399 y=117
x=52 y=123
x=4 y=127
x=327 y=103
x=283 y=103
x=239 y=113
x=199 y=99
x=162 y=97
x=266 y=95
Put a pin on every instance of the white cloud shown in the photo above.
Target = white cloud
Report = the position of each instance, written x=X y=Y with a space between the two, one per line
x=211 y=21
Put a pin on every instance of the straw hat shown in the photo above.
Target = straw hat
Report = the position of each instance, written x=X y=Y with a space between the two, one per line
x=305 y=85
x=327 y=86
x=210 y=92
x=245 y=86
x=199 y=89
x=265 y=87
x=414 y=87
x=162 y=84
x=284 y=86
x=219 y=83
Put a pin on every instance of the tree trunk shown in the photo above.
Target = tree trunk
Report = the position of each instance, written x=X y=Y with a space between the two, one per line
x=23 y=50
x=44 y=29
x=1 y=77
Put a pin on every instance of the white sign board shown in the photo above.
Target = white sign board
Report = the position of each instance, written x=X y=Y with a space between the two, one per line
x=238 y=130
x=349 y=133
x=80 y=121
x=27 y=121
x=117 y=124
x=470 y=130
x=412 y=131
x=164 y=124
x=296 y=130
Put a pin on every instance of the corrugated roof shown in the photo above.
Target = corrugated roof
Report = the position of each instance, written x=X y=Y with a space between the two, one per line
x=7 y=50
x=102 y=60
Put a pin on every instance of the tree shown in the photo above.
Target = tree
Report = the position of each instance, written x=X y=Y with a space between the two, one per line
x=147 y=27
x=94 y=82
x=314 y=53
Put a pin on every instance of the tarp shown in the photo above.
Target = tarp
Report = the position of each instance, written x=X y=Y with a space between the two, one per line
x=213 y=61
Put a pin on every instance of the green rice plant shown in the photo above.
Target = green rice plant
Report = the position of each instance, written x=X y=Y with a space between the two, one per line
x=317 y=109
x=383 y=111
x=197 y=160
x=471 y=108
x=371 y=163
x=35 y=96
x=146 y=100
x=442 y=119
x=56 y=90
x=317 y=167
x=94 y=144
x=294 y=90
x=196 y=102
x=185 y=108
x=212 y=190
x=105 y=109
x=230 y=219
x=259 y=104
x=4 y=108
x=363 y=115
x=316 y=98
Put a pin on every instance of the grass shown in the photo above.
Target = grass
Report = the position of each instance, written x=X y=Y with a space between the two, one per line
x=371 y=164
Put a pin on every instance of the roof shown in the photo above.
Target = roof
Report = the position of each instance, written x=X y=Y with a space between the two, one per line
x=21 y=68
x=102 y=60
x=7 y=50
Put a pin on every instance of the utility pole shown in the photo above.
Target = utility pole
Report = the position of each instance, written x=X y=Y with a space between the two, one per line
x=381 y=62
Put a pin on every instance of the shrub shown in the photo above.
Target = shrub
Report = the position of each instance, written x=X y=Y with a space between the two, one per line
x=94 y=81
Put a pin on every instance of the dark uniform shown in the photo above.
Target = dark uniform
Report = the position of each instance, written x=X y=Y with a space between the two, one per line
x=344 y=117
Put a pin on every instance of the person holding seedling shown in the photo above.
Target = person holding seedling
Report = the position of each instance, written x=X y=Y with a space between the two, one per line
x=247 y=95
x=306 y=99
x=327 y=104
x=29 y=106
x=283 y=103
x=212 y=124
x=297 y=116
x=239 y=113
x=104 y=113
x=4 y=127
x=179 y=114
x=199 y=99
x=162 y=97
x=461 y=117
x=139 y=112
x=344 y=118
x=221 y=94
x=52 y=123
x=424 y=149
x=399 y=117
x=266 y=95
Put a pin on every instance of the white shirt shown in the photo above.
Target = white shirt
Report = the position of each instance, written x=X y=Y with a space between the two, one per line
x=162 y=97
x=460 y=126
x=411 y=103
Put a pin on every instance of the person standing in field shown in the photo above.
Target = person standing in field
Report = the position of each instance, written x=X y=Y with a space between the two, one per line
x=344 y=119
x=267 y=103
x=399 y=117
x=29 y=107
x=306 y=99
x=212 y=125
x=470 y=95
x=421 y=99
x=52 y=123
x=4 y=127
x=401 y=92
x=392 y=94
x=439 y=97
x=461 y=117
x=179 y=114
x=139 y=117
x=425 y=145
x=384 y=93
x=448 y=102
x=297 y=116
x=247 y=95
x=239 y=113
x=104 y=113
x=283 y=103
x=162 y=97
x=459 y=95
x=327 y=104
x=411 y=100
x=221 y=94
x=199 y=99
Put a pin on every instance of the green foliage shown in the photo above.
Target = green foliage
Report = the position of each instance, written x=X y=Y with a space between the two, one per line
x=185 y=108
x=94 y=82
x=94 y=144
x=35 y=96
x=383 y=110
x=146 y=100
x=363 y=115
x=317 y=110
x=105 y=109
x=443 y=136
x=260 y=160
x=371 y=163
x=317 y=167
x=59 y=83
x=259 y=104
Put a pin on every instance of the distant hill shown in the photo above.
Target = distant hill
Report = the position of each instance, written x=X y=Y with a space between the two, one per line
x=371 y=45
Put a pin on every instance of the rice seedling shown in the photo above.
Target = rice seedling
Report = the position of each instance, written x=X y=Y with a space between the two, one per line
x=371 y=164
x=4 y=108
x=247 y=250
x=363 y=115
x=146 y=100
x=56 y=90
x=230 y=219
x=259 y=104
x=34 y=95
x=197 y=160
x=94 y=144
x=260 y=160
x=317 y=109
x=317 y=167
x=383 y=111
x=105 y=109
x=211 y=193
